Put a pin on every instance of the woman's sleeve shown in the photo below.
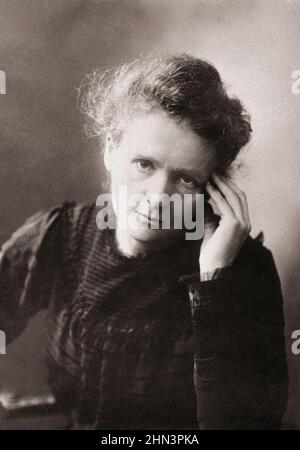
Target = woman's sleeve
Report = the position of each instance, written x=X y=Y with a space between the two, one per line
x=28 y=261
x=240 y=367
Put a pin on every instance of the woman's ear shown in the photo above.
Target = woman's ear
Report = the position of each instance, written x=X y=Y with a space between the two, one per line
x=108 y=151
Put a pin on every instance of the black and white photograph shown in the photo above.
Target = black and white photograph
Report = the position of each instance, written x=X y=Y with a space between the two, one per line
x=149 y=240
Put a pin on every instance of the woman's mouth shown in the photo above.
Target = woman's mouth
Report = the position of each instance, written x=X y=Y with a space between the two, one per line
x=147 y=219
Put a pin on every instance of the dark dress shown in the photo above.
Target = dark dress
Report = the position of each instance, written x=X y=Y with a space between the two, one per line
x=141 y=343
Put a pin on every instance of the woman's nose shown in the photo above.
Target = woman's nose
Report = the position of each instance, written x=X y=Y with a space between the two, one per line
x=159 y=189
x=159 y=184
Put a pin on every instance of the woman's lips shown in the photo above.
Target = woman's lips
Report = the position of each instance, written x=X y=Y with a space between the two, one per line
x=145 y=218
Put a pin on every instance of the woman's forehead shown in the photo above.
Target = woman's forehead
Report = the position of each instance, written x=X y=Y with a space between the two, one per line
x=157 y=137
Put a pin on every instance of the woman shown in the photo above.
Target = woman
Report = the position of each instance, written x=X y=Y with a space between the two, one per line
x=146 y=328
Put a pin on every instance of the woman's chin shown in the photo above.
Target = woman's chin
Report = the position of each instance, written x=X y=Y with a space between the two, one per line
x=148 y=234
x=140 y=229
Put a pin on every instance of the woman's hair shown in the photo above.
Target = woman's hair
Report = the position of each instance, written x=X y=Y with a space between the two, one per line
x=185 y=87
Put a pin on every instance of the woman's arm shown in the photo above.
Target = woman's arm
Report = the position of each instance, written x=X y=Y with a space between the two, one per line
x=240 y=369
x=27 y=262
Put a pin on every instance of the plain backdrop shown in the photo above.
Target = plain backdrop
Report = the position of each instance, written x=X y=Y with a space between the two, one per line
x=46 y=48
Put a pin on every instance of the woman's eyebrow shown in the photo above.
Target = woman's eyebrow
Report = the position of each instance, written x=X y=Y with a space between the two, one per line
x=194 y=173
x=148 y=158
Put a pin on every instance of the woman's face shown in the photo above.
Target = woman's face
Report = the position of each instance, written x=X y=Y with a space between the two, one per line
x=158 y=156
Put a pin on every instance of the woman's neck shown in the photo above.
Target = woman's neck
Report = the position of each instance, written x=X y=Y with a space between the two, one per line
x=132 y=248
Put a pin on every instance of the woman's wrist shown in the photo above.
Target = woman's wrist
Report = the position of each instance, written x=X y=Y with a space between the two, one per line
x=212 y=274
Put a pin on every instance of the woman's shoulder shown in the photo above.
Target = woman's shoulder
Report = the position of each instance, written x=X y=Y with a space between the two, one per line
x=74 y=216
x=38 y=251
x=253 y=248
x=256 y=256
x=53 y=226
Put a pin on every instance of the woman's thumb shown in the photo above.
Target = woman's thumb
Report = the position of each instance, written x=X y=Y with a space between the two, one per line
x=211 y=221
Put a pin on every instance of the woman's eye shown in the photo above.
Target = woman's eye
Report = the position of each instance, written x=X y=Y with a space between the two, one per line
x=188 y=181
x=144 y=165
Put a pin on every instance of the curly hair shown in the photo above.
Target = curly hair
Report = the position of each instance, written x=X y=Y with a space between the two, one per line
x=187 y=88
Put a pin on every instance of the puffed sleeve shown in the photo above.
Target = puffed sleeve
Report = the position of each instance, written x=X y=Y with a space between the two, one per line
x=28 y=263
x=240 y=366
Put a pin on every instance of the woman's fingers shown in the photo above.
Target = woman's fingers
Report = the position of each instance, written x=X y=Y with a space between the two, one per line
x=230 y=195
x=236 y=199
x=221 y=202
x=209 y=214
x=244 y=202
x=215 y=208
x=243 y=198
x=231 y=191
x=210 y=221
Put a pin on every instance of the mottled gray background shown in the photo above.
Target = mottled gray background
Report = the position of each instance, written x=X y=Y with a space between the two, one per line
x=46 y=47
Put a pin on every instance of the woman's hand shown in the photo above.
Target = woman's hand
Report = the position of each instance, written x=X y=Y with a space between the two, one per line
x=222 y=241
